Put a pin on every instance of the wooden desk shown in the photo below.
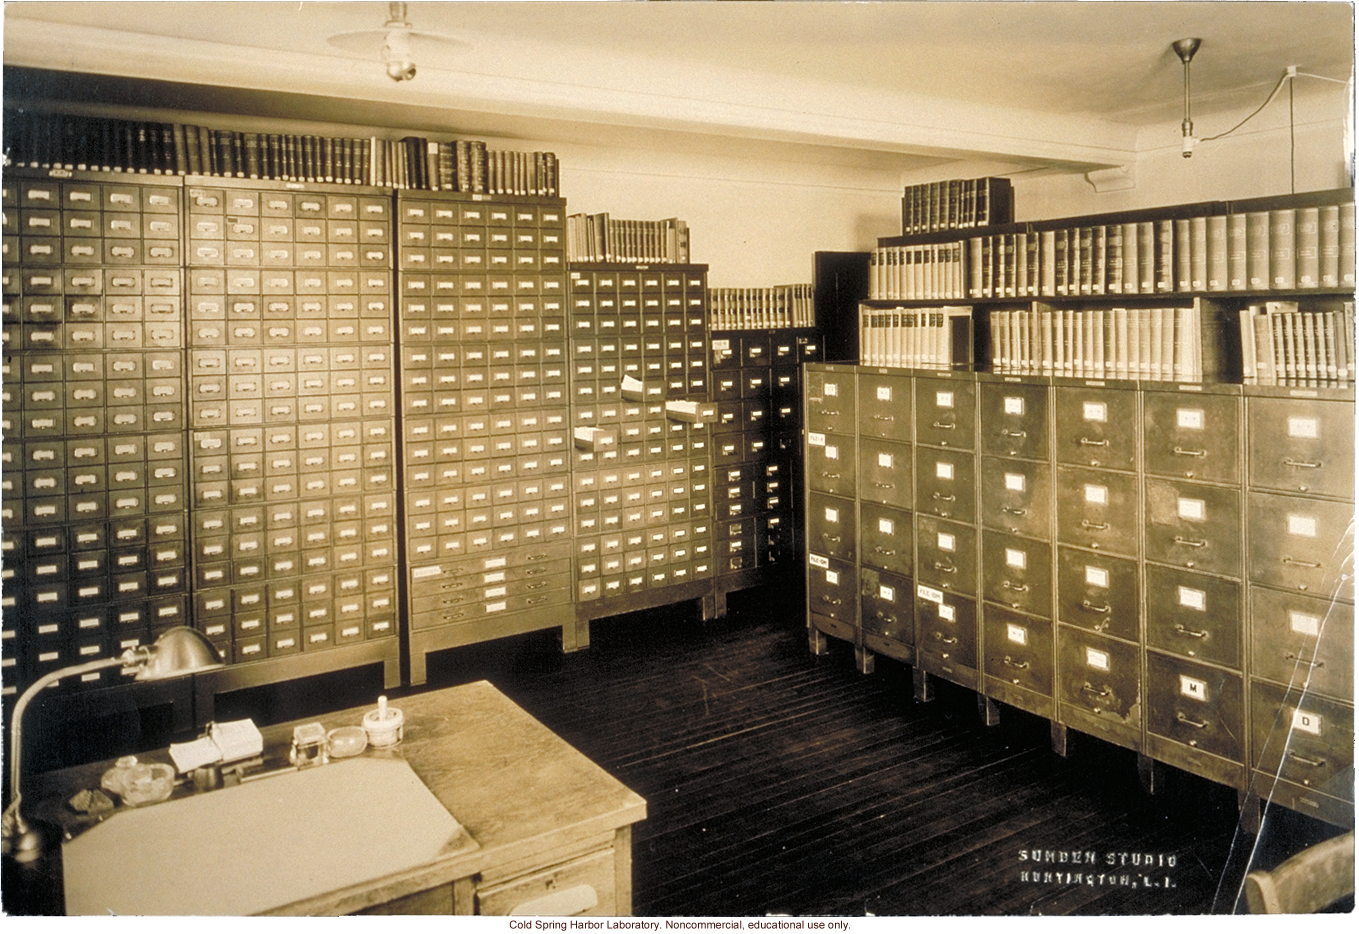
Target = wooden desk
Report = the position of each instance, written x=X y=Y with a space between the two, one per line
x=554 y=830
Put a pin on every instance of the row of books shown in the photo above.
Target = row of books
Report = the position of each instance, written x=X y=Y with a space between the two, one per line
x=59 y=141
x=1296 y=248
x=1105 y=343
x=1282 y=345
x=957 y=203
x=599 y=238
x=778 y=306
x=915 y=338
x=917 y=273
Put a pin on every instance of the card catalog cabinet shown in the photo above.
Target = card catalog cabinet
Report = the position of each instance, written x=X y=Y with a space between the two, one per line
x=1167 y=567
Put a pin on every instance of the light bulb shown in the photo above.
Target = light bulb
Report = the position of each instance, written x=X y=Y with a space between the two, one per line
x=396 y=52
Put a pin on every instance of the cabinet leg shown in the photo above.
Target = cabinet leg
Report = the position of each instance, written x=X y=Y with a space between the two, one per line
x=864 y=660
x=1150 y=773
x=924 y=690
x=1058 y=733
x=816 y=639
x=719 y=605
x=417 y=665
x=1248 y=802
x=391 y=672
x=989 y=710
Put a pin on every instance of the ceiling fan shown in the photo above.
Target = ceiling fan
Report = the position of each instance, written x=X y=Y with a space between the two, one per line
x=396 y=43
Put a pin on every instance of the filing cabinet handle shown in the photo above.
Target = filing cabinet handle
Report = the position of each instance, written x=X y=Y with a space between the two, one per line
x=833 y=601
x=1014 y=512
x=944 y=498
x=947 y=640
x=1185 y=452
x=536 y=585
x=1192 y=543
x=831 y=412
x=535 y=557
x=1007 y=433
x=889 y=620
x=1306 y=760
x=1190 y=721
x=1315 y=565
x=1086 y=442
x=1310 y=465
x=946 y=568
x=1017 y=588
x=884 y=551
x=1192 y=633
x=829 y=537
x=1087 y=605
x=884 y=486
x=1292 y=657
x=884 y=418
x=1089 y=688
x=830 y=476
x=1014 y=664
x=944 y=426
x=535 y=571
x=1094 y=526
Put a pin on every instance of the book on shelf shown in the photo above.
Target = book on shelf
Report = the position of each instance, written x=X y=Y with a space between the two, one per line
x=1283 y=249
x=956 y=204
x=1297 y=346
x=780 y=306
x=915 y=338
x=1308 y=234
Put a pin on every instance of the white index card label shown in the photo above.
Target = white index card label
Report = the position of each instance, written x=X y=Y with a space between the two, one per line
x=1306 y=721
x=832 y=515
x=1300 y=427
x=946 y=541
x=885 y=460
x=1014 y=481
x=1189 y=418
x=831 y=389
x=1016 y=634
x=1094 y=658
x=832 y=577
x=943 y=470
x=833 y=452
x=1193 y=688
x=1094 y=493
x=929 y=594
x=817 y=561
x=887 y=593
x=1014 y=405
x=947 y=613
x=1095 y=411
x=1096 y=577
x=1302 y=525
x=884 y=393
x=1304 y=623
x=1193 y=599
x=944 y=399
x=887 y=526
x=1191 y=509
x=1016 y=558
x=816 y=439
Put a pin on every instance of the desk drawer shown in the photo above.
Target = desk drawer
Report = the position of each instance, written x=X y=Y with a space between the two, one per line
x=582 y=886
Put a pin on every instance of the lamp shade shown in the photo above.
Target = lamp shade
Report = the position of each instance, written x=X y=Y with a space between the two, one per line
x=178 y=651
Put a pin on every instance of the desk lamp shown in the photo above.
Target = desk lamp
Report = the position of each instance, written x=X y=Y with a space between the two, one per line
x=178 y=651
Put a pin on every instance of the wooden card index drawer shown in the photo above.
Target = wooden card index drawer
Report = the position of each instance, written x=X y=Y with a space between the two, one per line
x=1302 y=446
x=1301 y=641
x=946 y=412
x=1014 y=420
x=1194 y=437
x=1096 y=427
x=886 y=538
x=1302 y=545
x=1016 y=496
x=885 y=406
x=1192 y=525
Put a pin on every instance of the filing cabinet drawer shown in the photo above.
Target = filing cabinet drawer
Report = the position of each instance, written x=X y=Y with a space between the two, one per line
x=1019 y=650
x=1098 y=592
x=887 y=604
x=886 y=538
x=1303 y=739
x=831 y=526
x=1192 y=437
x=1194 y=526
x=1017 y=573
x=1195 y=705
x=1096 y=428
x=1302 y=641
x=1302 y=545
x=945 y=413
x=832 y=588
x=885 y=406
x=948 y=557
x=946 y=634
x=1098 y=678
x=830 y=464
x=885 y=472
x=582 y=886
x=1302 y=446
x=1014 y=420
x=1097 y=510
x=1195 y=615
x=830 y=404
x=946 y=484
x=1016 y=496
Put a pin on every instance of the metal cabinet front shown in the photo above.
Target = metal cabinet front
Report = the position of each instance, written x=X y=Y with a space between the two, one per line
x=1194 y=615
x=1304 y=739
x=946 y=483
x=946 y=634
x=885 y=406
x=945 y=413
x=831 y=526
x=1303 y=641
x=1017 y=573
x=1097 y=509
x=1098 y=592
x=1014 y=420
x=1302 y=446
x=830 y=399
x=1096 y=427
x=1196 y=705
x=1019 y=650
x=1302 y=545
x=885 y=472
x=1016 y=496
x=887 y=605
x=830 y=464
x=886 y=538
x=947 y=555
x=1193 y=525
x=1099 y=678
x=1191 y=436
x=832 y=589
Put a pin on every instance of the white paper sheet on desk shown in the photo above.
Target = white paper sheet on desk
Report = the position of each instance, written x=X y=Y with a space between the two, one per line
x=261 y=845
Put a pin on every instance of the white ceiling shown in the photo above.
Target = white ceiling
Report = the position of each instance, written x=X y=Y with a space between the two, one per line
x=905 y=83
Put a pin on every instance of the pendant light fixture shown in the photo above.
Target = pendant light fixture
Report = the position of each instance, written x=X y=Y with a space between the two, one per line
x=1185 y=49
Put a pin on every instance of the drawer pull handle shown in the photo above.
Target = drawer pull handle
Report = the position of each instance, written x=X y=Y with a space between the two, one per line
x=944 y=497
x=1086 y=442
x=884 y=486
x=947 y=640
x=945 y=567
x=1014 y=664
x=830 y=476
x=1087 y=605
x=886 y=618
x=885 y=418
x=535 y=571
x=536 y=585
x=828 y=412
x=1190 y=542
x=833 y=601
x=1185 y=452
x=1089 y=688
x=1017 y=588
x=829 y=537
x=1306 y=760
x=1094 y=526
x=1007 y=433
x=1290 y=656
x=1191 y=633
x=1303 y=564
x=1014 y=512
x=1310 y=465
x=944 y=426
x=1190 y=721
x=884 y=551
